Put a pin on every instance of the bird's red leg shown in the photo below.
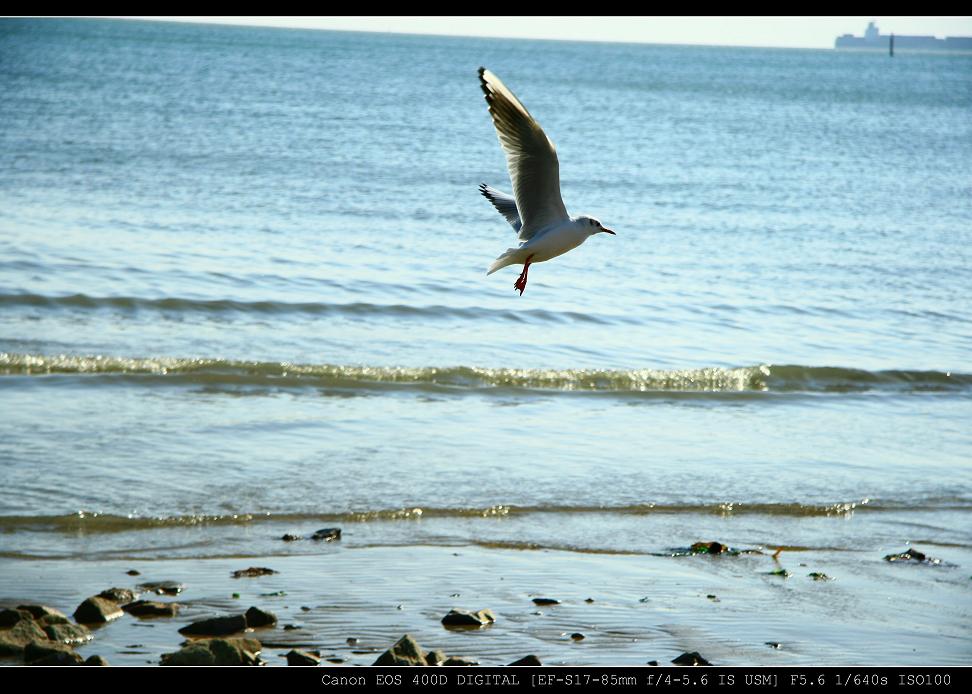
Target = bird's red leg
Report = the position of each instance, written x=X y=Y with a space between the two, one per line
x=522 y=279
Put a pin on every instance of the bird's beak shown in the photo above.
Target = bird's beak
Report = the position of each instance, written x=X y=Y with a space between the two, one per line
x=608 y=231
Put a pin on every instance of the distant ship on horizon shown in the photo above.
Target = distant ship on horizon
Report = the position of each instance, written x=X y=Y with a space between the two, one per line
x=873 y=40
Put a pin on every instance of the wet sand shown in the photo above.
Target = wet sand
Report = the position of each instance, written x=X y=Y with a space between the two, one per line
x=731 y=609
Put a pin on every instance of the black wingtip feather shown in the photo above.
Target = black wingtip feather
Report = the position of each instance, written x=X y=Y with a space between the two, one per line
x=483 y=84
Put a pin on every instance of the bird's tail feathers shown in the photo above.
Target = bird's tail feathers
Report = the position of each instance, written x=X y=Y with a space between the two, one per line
x=508 y=257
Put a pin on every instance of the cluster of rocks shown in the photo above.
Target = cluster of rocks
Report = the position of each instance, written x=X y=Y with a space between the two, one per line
x=222 y=651
x=110 y=604
x=43 y=636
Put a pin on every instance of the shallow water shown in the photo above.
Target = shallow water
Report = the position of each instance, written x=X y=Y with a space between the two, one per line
x=641 y=608
x=243 y=292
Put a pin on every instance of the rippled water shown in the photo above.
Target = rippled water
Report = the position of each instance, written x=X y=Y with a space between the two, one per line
x=242 y=280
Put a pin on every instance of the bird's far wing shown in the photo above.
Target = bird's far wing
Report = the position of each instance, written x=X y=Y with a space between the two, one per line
x=504 y=204
x=530 y=157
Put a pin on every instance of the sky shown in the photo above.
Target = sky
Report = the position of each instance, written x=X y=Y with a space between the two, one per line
x=773 y=32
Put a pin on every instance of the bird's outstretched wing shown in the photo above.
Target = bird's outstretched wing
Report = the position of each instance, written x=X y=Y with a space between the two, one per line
x=504 y=204
x=530 y=157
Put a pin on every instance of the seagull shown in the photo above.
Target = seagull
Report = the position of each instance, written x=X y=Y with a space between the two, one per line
x=535 y=210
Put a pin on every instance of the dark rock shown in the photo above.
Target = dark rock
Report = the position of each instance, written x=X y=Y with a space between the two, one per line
x=59 y=658
x=545 y=601
x=47 y=653
x=292 y=627
x=235 y=651
x=527 y=661
x=8 y=618
x=465 y=618
x=713 y=598
x=291 y=538
x=47 y=615
x=351 y=641
x=68 y=633
x=133 y=572
x=783 y=573
x=122 y=596
x=589 y=600
x=406 y=651
x=577 y=637
x=912 y=554
x=193 y=654
x=692 y=658
x=709 y=548
x=435 y=658
x=163 y=587
x=774 y=644
x=216 y=652
x=653 y=663
x=253 y=572
x=16 y=638
x=455 y=660
x=52 y=619
x=255 y=617
x=151 y=608
x=817 y=576
x=97 y=611
x=295 y=657
x=304 y=608
x=327 y=534
x=217 y=626
x=96 y=660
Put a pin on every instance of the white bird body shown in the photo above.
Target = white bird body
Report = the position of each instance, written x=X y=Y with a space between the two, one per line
x=555 y=240
x=535 y=210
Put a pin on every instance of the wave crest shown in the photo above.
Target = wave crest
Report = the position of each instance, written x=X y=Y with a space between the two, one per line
x=761 y=378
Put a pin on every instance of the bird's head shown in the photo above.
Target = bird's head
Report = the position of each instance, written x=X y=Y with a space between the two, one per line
x=593 y=225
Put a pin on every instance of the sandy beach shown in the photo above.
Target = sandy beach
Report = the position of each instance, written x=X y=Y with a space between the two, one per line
x=353 y=604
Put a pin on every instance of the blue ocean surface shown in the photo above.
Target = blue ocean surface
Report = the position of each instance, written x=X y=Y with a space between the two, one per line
x=242 y=283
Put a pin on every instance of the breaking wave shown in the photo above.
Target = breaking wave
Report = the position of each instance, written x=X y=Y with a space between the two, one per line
x=747 y=379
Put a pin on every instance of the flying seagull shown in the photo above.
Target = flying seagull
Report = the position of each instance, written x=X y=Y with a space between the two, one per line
x=535 y=210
